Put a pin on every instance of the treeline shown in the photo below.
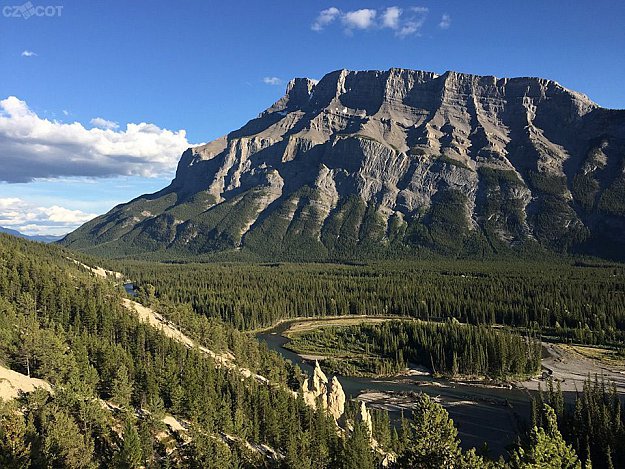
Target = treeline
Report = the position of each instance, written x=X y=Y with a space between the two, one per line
x=445 y=348
x=574 y=302
x=594 y=425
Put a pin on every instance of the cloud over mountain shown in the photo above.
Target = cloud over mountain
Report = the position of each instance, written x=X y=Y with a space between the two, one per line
x=403 y=21
x=32 y=147
x=30 y=219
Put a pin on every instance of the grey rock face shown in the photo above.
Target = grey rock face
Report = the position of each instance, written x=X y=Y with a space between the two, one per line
x=392 y=158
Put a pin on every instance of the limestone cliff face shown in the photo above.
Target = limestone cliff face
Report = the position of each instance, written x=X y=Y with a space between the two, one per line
x=400 y=158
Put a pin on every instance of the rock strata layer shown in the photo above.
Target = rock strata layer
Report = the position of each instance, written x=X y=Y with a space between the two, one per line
x=396 y=161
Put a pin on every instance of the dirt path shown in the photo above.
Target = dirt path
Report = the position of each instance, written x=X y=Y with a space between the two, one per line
x=571 y=369
x=99 y=271
x=13 y=383
x=157 y=321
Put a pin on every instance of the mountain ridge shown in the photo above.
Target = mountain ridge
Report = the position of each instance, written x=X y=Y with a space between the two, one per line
x=38 y=238
x=368 y=162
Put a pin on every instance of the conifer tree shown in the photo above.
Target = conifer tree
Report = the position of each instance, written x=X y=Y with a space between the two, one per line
x=129 y=456
x=546 y=448
x=121 y=388
x=14 y=449
x=357 y=452
x=433 y=439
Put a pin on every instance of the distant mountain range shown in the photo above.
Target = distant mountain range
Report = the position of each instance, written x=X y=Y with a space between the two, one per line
x=391 y=163
x=39 y=238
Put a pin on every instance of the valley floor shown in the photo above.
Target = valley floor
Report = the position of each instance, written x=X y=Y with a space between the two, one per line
x=570 y=367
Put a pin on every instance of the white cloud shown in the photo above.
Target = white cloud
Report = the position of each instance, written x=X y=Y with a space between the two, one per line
x=32 y=147
x=414 y=23
x=390 y=17
x=30 y=219
x=402 y=22
x=65 y=112
x=104 y=124
x=445 y=22
x=272 y=81
x=409 y=28
x=359 y=19
x=28 y=53
x=325 y=17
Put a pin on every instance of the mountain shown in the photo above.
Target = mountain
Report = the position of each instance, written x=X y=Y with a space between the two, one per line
x=39 y=238
x=387 y=163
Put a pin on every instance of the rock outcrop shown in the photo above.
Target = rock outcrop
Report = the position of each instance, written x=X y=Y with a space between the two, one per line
x=336 y=399
x=315 y=390
x=398 y=160
x=364 y=417
x=319 y=380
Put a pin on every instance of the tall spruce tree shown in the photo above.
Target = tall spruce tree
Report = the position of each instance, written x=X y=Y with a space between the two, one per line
x=433 y=441
x=546 y=449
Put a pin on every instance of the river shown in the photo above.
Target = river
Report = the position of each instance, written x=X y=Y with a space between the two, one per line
x=481 y=414
x=130 y=289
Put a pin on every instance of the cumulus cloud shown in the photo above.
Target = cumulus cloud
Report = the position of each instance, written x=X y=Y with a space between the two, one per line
x=28 y=53
x=30 y=219
x=32 y=147
x=359 y=19
x=325 y=17
x=445 y=22
x=403 y=22
x=275 y=81
x=390 y=17
x=102 y=123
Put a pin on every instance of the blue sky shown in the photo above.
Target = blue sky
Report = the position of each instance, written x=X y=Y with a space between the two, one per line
x=190 y=71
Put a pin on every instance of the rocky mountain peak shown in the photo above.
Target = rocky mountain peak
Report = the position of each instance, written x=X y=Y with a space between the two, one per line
x=397 y=159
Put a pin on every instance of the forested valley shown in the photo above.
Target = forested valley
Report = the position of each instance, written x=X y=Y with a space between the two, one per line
x=115 y=380
x=569 y=300
x=449 y=349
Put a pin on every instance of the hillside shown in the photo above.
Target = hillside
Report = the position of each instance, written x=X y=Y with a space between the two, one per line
x=121 y=390
x=386 y=164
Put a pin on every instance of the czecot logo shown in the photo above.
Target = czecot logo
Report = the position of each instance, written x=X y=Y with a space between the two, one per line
x=28 y=9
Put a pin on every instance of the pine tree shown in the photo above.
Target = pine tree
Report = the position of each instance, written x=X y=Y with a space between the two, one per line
x=63 y=445
x=121 y=388
x=14 y=449
x=357 y=453
x=433 y=439
x=130 y=456
x=546 y=449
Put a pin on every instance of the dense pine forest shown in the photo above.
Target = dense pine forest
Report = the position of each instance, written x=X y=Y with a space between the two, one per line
x=594 y=424
x=450 y=349
x=580 y=301
x=114 y=379
x=60 y=324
